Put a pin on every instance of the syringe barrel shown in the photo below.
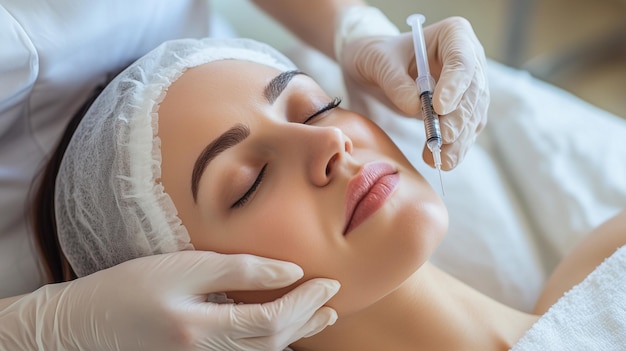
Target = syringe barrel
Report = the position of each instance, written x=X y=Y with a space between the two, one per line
x=419 y=45
x=424 y=80
x=431 y=121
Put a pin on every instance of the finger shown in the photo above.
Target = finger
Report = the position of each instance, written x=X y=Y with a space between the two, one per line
x=201 y=272
x=451 y=86
x=290 y=311
x=481 y=110
x=322 y=318
x=453 y=154
x=402 y=91
x=464 y=116
x=460 y=55
x=393 y=76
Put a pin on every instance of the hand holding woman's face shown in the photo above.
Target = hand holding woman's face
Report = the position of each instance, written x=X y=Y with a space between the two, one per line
x=265 y=163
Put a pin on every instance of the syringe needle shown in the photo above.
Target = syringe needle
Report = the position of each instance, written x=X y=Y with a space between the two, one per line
x=443 y=192
x=434 y=148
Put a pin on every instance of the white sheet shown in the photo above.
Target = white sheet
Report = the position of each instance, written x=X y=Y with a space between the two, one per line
x=591 y=316
x=565 y=158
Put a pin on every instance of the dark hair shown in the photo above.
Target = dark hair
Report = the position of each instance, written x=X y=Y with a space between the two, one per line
x=43 y=219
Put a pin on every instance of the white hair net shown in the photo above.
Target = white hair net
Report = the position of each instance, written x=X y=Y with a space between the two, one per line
x=110 y=206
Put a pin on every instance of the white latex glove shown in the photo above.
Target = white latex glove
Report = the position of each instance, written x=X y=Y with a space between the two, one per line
x=379 y=61
x=159 y=303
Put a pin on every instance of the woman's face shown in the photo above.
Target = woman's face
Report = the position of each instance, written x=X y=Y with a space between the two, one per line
x=262 y=163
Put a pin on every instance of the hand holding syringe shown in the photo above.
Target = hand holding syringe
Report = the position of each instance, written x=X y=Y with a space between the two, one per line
x=426 y=85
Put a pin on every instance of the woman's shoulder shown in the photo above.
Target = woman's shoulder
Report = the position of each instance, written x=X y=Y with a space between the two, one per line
x=601 y=243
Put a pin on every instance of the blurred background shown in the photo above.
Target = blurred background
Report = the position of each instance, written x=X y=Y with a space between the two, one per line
x=578 y=45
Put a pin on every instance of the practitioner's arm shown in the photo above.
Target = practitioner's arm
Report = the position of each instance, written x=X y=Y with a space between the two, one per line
x=583 y=259
x=4 y=303
x=311 y=21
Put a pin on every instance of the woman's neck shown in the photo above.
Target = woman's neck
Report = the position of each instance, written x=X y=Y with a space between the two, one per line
x=430 y=311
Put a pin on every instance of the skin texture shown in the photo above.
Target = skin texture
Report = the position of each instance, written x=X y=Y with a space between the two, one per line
x=297 y=213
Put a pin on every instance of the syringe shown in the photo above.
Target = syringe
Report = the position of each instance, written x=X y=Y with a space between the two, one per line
x=426 y=85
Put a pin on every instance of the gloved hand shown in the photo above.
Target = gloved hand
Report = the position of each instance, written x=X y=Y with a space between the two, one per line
x=159 y=303
x=376 y=59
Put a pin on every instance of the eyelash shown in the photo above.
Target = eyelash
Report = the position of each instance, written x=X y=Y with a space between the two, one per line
x=331 y=105
x=259 y=179
x=242 y=201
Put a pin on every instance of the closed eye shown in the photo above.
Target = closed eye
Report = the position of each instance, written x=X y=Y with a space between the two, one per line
x=331 y=105
x=244 y=199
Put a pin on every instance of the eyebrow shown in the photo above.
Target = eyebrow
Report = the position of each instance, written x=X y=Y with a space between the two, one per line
x=276 y=86
x=226 y=140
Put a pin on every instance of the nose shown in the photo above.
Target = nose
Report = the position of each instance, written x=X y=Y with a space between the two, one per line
x=321 y=150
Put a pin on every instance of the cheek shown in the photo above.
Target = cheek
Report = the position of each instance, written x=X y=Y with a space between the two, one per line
x=358 y=128
x=280 y=226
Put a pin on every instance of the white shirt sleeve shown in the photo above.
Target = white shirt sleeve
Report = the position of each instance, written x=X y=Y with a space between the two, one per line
x=54 y=53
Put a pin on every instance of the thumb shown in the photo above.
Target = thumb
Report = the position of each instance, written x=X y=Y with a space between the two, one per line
x=457 y=45
x=204 y=272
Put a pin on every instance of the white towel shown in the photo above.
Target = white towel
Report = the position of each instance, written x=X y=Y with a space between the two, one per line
x=591 y=316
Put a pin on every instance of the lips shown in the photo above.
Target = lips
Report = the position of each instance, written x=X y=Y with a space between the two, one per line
x=368 y=191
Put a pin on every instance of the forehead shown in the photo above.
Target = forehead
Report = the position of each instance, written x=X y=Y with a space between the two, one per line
x=219 y=76
x=218 y=88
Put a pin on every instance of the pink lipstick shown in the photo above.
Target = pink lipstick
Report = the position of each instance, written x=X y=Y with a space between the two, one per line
x=368 y=191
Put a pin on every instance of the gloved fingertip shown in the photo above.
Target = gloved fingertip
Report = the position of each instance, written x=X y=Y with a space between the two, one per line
x=427 y=156
x=322 y=289
x=291 y=269
x=330 y=315
x=453 y=154
x=331 y=286
x=326 y=316
x=275 y=273
x=449 y=162
x=334 y=316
